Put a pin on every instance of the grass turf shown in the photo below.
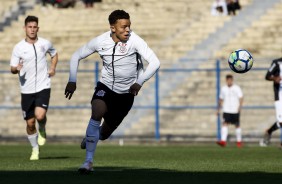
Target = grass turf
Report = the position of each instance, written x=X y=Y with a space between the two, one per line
x=143 y=164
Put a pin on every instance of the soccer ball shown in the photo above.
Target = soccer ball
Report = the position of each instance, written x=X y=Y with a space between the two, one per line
x=240 y=61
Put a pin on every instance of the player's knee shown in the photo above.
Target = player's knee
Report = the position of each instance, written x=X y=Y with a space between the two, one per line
x=96 y=117
x=30 y=128
x=40 y=117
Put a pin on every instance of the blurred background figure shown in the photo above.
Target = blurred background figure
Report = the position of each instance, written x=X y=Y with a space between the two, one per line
x=219 y=8
x=231 y=100
x=232 y=6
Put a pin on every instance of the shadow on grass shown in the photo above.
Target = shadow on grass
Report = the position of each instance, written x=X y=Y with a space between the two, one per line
x=54 y=158
x=125 y=175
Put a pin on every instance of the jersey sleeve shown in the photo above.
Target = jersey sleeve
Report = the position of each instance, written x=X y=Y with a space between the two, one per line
x=240 y=93
x=15 y=58
x=273 y=70
x=147 y=53
x=221 y=95
x=51 y=50
x=79 y=54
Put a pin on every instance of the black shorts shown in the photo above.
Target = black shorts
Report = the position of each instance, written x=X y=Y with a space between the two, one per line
x=118 y=105
x=232 y=118
x=30 y=101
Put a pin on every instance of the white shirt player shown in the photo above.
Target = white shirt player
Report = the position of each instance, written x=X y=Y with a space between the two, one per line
x=120 y=61
x=34 y=73
x=231 y=98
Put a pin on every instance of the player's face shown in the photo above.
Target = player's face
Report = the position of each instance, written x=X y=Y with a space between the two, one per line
x=31 y=29
x=229 y=81
x=121 y=30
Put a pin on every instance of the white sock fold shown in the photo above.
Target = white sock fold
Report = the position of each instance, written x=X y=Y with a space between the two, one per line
x=33 y=140
x=92 y=138
x=238 y=132
x=224 y=133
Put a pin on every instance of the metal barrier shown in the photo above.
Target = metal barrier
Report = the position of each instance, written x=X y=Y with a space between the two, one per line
x=217 y=69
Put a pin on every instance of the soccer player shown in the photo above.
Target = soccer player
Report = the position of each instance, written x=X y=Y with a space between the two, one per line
x=274 y=74
x=120 y=50
x=29 y=62
x=231 y=100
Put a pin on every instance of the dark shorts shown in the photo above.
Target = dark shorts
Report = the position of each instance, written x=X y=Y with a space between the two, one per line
x=30 y=101
x=118 y=105
x=232 y=118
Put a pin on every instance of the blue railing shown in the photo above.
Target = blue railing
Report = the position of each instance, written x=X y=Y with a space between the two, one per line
x=157 y=106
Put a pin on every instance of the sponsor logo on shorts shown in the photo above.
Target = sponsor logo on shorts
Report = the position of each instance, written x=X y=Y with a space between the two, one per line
x=44 y=105
x=100 y=93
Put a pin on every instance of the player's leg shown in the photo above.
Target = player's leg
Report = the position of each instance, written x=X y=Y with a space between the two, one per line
x=32 y=137
x=40 y=116
x=42 y=104
x=238 y=130
x=276 y=125
x=99 y=108
x=27 y=103
x=117 y=112
x=224 y=130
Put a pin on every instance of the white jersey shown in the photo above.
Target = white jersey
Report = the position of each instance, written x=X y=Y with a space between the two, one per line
x=120 y=61
x=34 y=74
x=231 y=98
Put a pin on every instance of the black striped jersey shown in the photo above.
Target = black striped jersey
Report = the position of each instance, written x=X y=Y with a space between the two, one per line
x=120 y=61
x=275 y=70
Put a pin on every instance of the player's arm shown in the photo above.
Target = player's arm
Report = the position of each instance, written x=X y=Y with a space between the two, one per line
x=16 y=69
x=240 y=103
x=15 y=63
x=220 y=102
x=241 y=99
x=52 y=69
x=54 y=59
x=271 y=73
x=153 y=66
x=79 y=54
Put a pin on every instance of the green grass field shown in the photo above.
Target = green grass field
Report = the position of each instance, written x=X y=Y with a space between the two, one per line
x=143 y=164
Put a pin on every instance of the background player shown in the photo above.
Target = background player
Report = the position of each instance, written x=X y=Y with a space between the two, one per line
x=231 y=100
x=274 y=74
x=120 y=49
x=29 y=62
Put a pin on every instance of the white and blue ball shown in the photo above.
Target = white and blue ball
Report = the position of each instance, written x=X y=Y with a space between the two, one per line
x=240 y=61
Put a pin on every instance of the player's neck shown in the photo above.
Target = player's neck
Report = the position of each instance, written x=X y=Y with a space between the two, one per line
x=115 y=38
x=31 y=40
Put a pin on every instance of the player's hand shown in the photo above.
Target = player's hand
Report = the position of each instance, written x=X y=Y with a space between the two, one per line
x=134 y=89
x=277 y=79
x=51 y=72
x=20 y=66
x=70 y=88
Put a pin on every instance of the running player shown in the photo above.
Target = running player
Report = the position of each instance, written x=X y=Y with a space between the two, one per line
x=120 y=50
x=231 y=100
x=274 y=74
x=29 y=62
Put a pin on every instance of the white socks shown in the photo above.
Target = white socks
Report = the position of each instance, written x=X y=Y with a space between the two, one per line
x=33 y=140
x=224 y=133
x=238 y=134
x=92 y=138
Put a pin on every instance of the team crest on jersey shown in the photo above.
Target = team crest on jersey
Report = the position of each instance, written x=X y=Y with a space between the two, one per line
x=101 y=93
x=122 y=47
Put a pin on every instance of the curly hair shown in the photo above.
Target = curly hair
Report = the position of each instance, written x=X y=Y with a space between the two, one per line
x=116 y=15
